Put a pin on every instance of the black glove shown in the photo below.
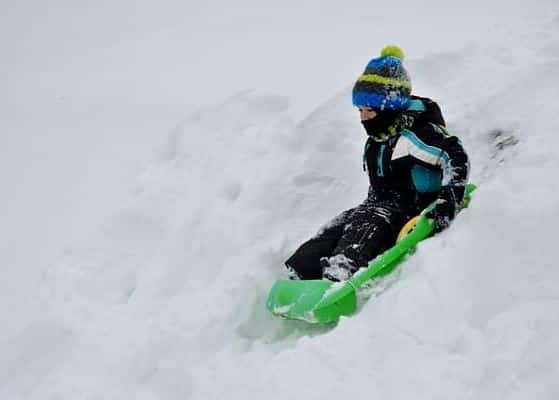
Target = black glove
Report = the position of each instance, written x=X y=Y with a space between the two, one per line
x=445 y=209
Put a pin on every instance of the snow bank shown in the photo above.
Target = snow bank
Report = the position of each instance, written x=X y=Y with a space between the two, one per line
x=165 y=299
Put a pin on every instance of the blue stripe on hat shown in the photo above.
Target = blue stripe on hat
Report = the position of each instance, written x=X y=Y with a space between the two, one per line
x=380 y=101
x=384 y=62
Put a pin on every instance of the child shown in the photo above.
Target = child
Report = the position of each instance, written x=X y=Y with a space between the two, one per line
x=411 y=161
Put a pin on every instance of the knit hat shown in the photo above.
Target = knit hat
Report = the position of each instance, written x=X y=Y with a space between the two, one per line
x=385 y=84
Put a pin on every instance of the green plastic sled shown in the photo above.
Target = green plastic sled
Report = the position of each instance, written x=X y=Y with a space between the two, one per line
x=324 y=301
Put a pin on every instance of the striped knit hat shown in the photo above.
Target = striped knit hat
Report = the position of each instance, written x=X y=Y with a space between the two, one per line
x=385 y=84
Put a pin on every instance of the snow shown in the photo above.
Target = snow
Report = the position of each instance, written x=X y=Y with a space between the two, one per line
x=159 y=163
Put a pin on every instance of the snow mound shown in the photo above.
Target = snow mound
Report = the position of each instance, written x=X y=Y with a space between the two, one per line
x=165 y=300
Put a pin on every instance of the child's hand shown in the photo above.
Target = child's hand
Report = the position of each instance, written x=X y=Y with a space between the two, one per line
x=444 y=211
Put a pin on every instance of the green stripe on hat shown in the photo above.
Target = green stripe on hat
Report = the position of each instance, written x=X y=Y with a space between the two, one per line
x=384 y=81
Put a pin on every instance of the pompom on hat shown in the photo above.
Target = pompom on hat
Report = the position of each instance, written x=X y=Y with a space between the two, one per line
x=385 y=84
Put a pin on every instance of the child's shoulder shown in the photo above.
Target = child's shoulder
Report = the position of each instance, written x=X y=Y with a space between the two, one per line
x=426 y=111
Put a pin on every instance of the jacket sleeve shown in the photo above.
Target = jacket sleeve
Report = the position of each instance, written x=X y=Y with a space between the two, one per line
x=433 y=145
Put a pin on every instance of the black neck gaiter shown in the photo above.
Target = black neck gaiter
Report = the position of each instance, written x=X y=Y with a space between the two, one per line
x=379 y=127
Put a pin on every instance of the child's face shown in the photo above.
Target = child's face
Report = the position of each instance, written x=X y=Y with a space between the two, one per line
x=366 y=113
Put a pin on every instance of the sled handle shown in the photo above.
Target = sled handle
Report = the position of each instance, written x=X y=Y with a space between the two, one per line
x=407 y=228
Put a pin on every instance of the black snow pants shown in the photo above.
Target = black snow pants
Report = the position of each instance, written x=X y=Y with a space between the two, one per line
x=360 y=234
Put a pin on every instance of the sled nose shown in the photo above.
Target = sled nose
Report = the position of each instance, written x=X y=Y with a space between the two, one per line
x=313 y=301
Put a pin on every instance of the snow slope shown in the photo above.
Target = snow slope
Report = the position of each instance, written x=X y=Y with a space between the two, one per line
x=150 y=210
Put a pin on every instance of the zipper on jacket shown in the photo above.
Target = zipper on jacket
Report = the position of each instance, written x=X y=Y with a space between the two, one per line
x=365 y=166
x=380 y=167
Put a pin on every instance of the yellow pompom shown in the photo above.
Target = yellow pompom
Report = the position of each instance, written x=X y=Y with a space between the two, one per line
x=393 y=51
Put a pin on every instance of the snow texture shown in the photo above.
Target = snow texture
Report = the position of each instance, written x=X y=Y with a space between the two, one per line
x=151 y=194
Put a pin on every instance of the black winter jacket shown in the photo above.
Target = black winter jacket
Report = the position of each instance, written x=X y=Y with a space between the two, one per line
x=421 y=163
